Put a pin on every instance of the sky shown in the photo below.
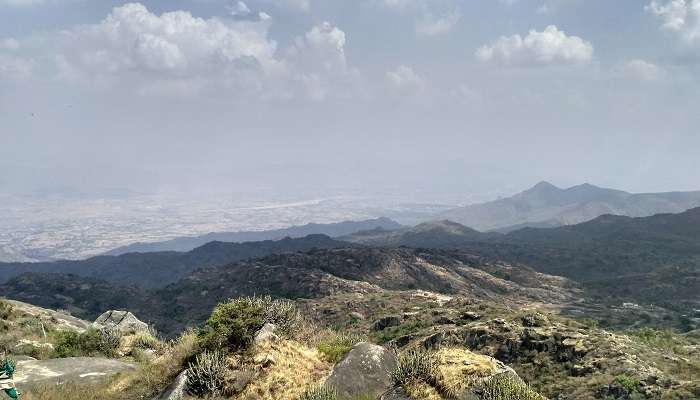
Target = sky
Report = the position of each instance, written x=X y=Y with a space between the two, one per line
x=421 y=98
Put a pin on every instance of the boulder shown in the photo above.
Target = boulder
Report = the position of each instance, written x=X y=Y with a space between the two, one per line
x=386 y=322
x=395 y=394
x=78 y=370
x=365 y=370
x=123 y=321
x=470 y=316
x=176 y=390
x=535 y=320
x=266 y=334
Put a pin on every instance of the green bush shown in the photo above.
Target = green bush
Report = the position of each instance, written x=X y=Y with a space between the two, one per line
x=320 y=393
x=336 y=346
x=233 y=324
x=206 y=375
x=90 y=343
x=416 y=365
x=507 y=387
x=630 y=384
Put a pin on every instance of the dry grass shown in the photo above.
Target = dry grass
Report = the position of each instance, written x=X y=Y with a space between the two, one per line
x=456 y=370
x=296 y=368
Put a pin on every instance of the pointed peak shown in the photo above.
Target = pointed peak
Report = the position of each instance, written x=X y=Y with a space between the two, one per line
x=543 y=186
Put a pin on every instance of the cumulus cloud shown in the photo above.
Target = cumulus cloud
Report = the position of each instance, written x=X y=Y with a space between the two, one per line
x=177 y=44
x=549 y=47
x=641 y=70
x=318 y=57
x=9 y=44
x=679 y=16
x=240 y=9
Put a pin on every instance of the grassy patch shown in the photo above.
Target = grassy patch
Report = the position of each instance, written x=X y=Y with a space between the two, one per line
x=335 y=346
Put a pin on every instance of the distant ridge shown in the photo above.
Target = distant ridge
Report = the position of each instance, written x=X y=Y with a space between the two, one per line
x=187 y=243
x=545 y=206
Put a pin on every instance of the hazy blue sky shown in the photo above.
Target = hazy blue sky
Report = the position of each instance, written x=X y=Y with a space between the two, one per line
x=438 y=95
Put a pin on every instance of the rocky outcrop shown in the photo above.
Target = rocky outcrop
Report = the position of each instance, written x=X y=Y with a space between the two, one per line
x=365 y=370
x=79 y=370
x=123 y=321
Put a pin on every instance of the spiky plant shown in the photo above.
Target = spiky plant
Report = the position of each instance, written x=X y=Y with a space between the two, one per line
x=321 y=392
x=507 y=387
x=415 y=365
x=206 y=375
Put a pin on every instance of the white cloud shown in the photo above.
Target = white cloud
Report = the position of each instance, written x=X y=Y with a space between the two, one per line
x=318 y=59
x=134 y=45
x=240 y=9
x=404 y=79
x=679 y=16
x=431 y=25
x=549 y=47
x=641 y=70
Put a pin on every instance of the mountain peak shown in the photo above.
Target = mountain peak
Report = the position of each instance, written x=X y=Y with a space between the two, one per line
x=543 y=187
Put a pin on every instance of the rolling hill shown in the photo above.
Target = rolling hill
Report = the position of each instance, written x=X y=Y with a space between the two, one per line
x=152 y=270
x=183 y=244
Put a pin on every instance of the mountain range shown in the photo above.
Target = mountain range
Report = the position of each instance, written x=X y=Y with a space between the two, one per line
x=546 y=205
x=188 y=243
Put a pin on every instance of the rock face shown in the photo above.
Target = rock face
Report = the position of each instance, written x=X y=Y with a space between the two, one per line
x=123 y=321
x=365 y=370
x=80 y=370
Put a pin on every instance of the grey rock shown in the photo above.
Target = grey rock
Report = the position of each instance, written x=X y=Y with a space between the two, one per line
x=356 y=316
x=176 y=390
x=534 y=320
x=386 y=322
x=123 y=321
x=240 y=379
x=470 y=316
x=365 y=370
x=266 y=334
x=80 y=370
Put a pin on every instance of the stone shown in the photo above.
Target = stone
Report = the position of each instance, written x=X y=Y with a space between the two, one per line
x=240 y=379
x=177 y=390
x=123 y=321
x=470 y=316
x=266 y=334
x=78 y=370
x=386 y=322
x=445 y=321
x=365 y=370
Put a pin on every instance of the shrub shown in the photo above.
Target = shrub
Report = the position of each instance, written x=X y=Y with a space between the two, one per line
x=337 y=345
x=207 y=374
x=234 y=324
x=320 y=393
x=90 y=343
x=628 y=383
x=507 y=387
x=415 y=365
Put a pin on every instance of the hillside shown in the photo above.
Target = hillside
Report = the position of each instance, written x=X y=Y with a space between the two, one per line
x=546 y=205
x=183 y=244
x=617 y=258
x=313 y=274
x=152 y=270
